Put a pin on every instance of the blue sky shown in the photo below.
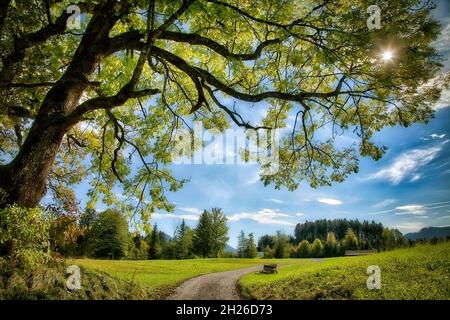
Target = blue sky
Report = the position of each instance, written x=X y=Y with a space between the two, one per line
x=409 y=188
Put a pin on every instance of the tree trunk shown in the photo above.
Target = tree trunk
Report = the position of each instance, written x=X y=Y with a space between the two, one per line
x=24 y=179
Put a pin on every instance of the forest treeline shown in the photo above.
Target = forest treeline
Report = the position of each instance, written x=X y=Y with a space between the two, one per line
x=330 y=238
x=107 y=235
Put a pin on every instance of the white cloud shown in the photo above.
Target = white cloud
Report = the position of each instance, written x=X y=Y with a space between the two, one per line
x=329 y=201
x=299 y=214
x=407 y=164
x=275 y=200
x=410 y=209
x=264 y=216
x=437 y=136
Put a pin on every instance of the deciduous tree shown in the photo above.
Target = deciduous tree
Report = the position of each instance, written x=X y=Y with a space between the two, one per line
x=84 y=104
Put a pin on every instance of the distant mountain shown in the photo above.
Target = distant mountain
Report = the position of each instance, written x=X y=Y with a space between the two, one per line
x=230 y=249
x=430 y=232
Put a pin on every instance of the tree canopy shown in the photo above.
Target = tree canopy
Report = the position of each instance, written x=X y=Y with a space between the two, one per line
x=85 y=104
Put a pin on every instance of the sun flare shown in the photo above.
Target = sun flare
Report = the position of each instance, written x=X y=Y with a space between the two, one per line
x=387 y=55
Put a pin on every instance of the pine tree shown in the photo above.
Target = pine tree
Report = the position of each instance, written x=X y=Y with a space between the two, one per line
x=203 y=236
x=183 y=241
x=154 y=252
x=241 y=245
x=250 y=247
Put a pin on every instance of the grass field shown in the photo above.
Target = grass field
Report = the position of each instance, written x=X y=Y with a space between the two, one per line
x=422 y=272
x=159 y=276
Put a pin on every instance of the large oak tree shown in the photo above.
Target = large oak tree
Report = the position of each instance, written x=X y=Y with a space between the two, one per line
x=83 y=104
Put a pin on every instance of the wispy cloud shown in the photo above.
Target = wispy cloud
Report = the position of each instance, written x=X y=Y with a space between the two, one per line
x=437 y=136
x=193 y=217
x=433 y=136
x=192 y=210
x=275 y=200
x=384 y=203
x=264 y=216
x=414 y=208
x=299 y=214
x=408 y=164
x=410 y=209
x=330 y=201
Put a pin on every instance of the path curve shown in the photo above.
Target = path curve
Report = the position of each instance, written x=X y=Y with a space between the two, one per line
x=213 y=286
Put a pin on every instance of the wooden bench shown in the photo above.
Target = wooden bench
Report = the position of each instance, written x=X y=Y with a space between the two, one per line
x=270 y=268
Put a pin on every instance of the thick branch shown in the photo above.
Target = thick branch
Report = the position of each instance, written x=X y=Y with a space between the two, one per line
x=107 y=102
x=122 y=42
x=213 y=45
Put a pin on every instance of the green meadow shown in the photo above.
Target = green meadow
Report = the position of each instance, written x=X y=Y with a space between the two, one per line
x=422 y=272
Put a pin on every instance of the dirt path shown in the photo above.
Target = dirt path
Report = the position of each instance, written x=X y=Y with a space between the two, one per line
x=214 y=286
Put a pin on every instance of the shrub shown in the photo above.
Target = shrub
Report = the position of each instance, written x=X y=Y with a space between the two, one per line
x=24 y=236
x=65 y=234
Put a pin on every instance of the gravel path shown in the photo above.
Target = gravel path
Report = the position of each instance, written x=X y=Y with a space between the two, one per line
x=213 y=286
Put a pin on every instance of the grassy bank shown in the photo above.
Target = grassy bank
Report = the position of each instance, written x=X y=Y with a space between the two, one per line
x=48 y=282
x=422 y=272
